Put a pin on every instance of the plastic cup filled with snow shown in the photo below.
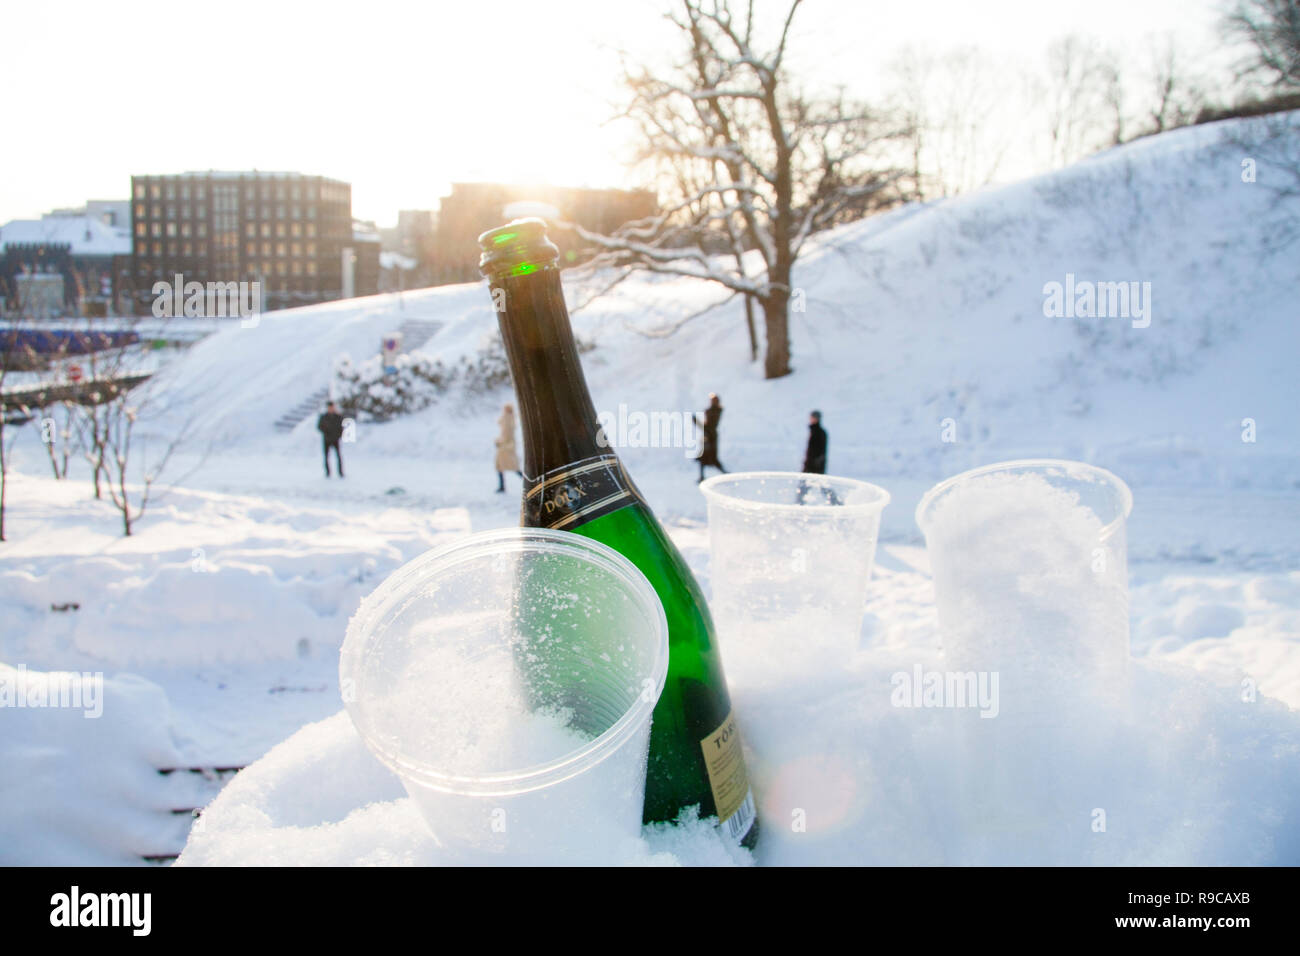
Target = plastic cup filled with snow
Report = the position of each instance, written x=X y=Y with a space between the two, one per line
x=508 y=679
x=1031 y=570
x=790 y=560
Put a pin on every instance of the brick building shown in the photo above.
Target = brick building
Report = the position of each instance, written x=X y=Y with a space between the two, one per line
x=284 y=229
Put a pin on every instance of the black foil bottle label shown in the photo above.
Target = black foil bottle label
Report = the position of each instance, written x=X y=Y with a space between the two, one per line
x=577 y=493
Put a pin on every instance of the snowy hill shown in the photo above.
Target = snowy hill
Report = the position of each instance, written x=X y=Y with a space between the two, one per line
x=929 y=313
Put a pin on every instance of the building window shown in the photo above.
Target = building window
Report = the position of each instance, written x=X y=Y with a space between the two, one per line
x=199 y=192
x=311 y=248
x=141 y=229
x=171 y=249
x=185 y=190
x=201 y=211
x=171 y=229
x=139 y=190
x=296 y=212
x=279 y=230
x=156 y=229
x=250 y=229
x=157 y=212
x=189 y=249
x=171 y=211
x=279 y=211
x=250 y=249
x=311 y=212
x=296 y=268
x=203 y=229
x=266 y=248
x=280 y=249
x=266 y=230
x=267 y=268
x=185 y=211
x=281 y=268
x=266 y=191
x=295 y=230
x=279 y=192
x=140 y=210
x=311 y=229
x=297 y=249
x=185 y=230
x=157 y=249
x=171 y=190
x=311 y=268
x=293 y=193
x=202 y=249
x=155 y=191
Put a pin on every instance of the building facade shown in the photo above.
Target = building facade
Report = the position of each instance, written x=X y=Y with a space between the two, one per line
x=285 y=230
x=70 y=251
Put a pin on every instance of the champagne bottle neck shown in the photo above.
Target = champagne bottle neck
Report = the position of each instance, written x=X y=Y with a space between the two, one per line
x=557 y=419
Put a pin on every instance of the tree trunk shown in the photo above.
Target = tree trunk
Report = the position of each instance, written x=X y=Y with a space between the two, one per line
x=4 y=473
x=776 y=324
x=749 y=324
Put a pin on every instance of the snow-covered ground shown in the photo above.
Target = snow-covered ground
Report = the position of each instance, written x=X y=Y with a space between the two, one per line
x=925 y=345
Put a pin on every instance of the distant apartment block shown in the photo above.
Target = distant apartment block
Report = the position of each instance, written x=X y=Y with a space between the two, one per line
x=291 y=232
x=473 y=208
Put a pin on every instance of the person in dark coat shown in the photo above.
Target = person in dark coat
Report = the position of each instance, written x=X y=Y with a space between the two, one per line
x=814 y=459
x=709 y=452
x=330 y=425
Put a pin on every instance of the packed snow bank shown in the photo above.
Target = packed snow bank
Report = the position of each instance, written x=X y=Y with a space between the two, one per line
x=207 y=579
x=1184 y=773
x=321 y=799
x=81 y=754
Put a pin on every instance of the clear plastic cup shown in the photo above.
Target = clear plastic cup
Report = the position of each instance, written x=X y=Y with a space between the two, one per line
x=509 y=679
x=790 y=560
x=1031 y=579
x=1030 y=568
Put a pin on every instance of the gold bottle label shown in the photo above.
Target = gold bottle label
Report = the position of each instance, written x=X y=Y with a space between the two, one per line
x=725 y=760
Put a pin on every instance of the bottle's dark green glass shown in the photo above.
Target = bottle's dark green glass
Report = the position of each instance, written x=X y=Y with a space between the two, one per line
x=575 y=482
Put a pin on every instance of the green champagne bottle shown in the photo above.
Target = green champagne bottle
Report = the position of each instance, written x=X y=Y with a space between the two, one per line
x=573 y=481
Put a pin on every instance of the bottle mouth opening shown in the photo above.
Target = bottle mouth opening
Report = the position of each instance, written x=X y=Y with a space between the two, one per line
x=518 y=248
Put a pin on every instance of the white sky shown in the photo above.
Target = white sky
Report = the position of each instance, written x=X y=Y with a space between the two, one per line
x=402 y=99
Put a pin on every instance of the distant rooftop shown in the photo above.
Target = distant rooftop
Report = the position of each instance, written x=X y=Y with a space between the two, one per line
x=236 y=174
x=86 y=235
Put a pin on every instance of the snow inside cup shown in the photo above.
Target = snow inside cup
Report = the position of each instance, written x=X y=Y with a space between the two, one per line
x=1030 y=570
x=509 y=679
x=790 y=560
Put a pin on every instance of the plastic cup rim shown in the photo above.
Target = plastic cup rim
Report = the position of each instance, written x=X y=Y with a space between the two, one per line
x=535 y=776
x=1125 y=493
x=713 y=495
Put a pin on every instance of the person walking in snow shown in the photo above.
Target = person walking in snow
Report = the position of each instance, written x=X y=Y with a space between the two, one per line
x=814 y=457
x=507 y=459
x=330 y=425
x=709 y=451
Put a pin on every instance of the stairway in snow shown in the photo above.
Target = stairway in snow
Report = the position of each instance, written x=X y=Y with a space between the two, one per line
x=415 y=332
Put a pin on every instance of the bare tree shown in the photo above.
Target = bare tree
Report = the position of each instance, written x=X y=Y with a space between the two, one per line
x=754 y=165
x=1272 y=29
x=1175 y=97
x=954 y=107
x=1083 y=98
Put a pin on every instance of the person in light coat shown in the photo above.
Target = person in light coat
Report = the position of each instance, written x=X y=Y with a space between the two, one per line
x=507 y=459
